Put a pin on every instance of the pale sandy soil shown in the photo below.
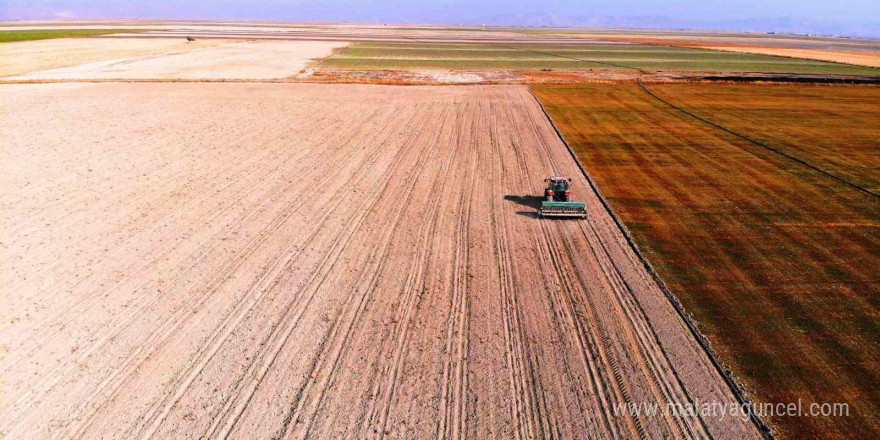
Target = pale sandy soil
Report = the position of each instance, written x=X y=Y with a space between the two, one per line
x=871 y=59
x=228 y=60
x=28 y=56
x=303 y=31
x=859 y=52
x=319 y=261
x=354 y=34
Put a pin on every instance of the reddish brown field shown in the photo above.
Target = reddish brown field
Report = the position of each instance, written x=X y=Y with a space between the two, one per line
x=836 y=129
x=779 y=263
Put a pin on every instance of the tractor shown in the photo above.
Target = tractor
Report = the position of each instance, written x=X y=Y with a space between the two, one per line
x=557 y=200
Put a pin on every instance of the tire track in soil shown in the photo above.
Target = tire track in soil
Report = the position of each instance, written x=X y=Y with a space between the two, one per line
x=415 y=288
x=526 y=414
x=137 y=268
x=584 y=343
x=426 y=300
x=153 y=230
x=292 y=252
x=453 y=396
x=164 y=331
x=223 y=432
x=617 y=285
x=611 y=362
x=651 y=352
x=196 y=257
x=415 y=283
x=217 y=280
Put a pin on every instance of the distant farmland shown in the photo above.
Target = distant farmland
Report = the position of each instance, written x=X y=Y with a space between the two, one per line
x=571 y=57
x=776 y=261
x=45 y=34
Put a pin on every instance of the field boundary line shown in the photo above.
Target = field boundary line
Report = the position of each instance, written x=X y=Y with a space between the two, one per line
x=755 y=142
x=739 y=392
x=700 y=118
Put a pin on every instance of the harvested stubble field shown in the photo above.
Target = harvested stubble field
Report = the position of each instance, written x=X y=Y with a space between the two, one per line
x=607 y=56
x=319 y=261
x=778 y=262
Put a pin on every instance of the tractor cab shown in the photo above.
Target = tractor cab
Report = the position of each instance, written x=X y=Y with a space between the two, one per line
x=558 y=189
x=557 y=200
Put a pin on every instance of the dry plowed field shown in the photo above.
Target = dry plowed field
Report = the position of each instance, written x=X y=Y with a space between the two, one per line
x=319 y=261
x=96 y=59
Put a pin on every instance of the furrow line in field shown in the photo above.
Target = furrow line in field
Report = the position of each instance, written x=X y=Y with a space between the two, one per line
x=564 y=296
x=233 y=320
x=515 y=179
x=158 y=191
x=453 y=397
x=379 y=255
x=606 y=350
x=164 y=332
x=665 y=383
x=137 y=267
x=606 y=354
x=585 y=345
x=526 y=422
x=462 y=285
x=523 y=186
x=54 y=376
x=338 y=345
x=414 y=291
x=225 y=422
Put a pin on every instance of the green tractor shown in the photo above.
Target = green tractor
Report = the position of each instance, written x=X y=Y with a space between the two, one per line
x=557 y=200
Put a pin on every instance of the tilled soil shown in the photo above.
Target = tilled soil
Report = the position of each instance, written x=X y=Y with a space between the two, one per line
x=320 y=261
x=23 y=57
x=211 y=60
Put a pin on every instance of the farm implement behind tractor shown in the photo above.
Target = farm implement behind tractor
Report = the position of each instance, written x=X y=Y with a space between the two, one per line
x=557 y=200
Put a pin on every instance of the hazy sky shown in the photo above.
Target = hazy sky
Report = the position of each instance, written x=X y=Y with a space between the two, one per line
x=853 y=17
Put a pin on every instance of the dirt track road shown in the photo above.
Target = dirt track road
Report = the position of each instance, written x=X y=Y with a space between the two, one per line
x=319 y=261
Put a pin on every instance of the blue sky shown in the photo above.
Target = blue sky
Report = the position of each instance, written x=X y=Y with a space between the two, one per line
x=850 y=17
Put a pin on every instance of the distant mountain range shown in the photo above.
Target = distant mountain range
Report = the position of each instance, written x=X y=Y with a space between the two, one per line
x=377 y=12
x=769 y=24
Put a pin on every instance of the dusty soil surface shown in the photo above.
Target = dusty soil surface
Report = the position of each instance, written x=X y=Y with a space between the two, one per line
x=320 y=261
x=212 y=60
x=305 y=31
x=363 y=34
x=29 y=56
x=861 y=58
